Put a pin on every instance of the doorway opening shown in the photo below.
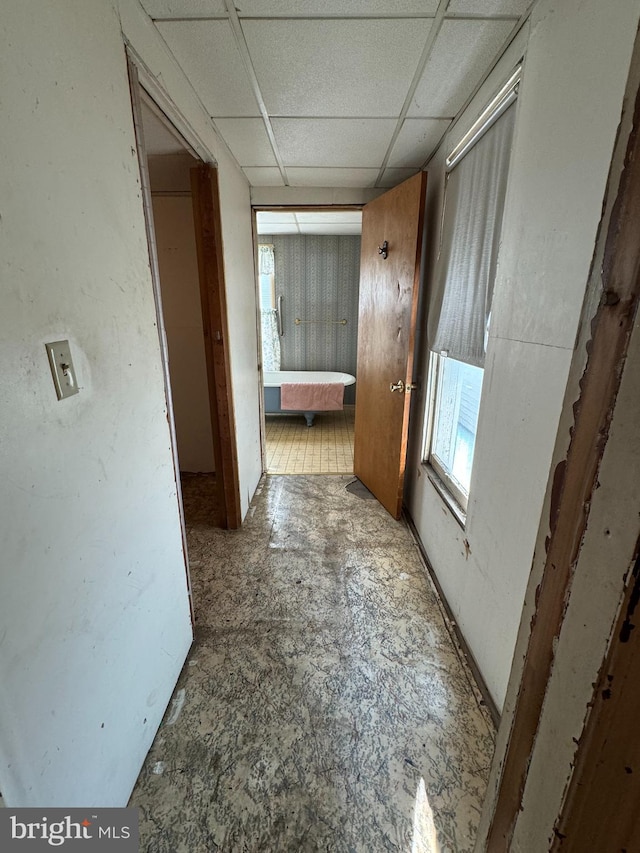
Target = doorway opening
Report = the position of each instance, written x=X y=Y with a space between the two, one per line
x=180 y=197
x=308 y=287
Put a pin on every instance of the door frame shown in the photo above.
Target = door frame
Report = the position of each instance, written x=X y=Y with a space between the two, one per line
x=283 y=208
x=136 y=107
x=208 y=233
x=142 y=81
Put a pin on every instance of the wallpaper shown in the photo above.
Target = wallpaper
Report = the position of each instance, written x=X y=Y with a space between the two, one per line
x=318 y=278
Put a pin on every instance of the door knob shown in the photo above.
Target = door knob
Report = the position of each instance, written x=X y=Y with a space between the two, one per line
x=400 y=386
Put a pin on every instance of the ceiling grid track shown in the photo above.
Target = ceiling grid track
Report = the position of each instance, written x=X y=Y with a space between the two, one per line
x=241 y=43
x=424 y=58
x=323 y=141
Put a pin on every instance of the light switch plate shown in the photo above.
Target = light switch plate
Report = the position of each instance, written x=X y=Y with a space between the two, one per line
x=62 y=370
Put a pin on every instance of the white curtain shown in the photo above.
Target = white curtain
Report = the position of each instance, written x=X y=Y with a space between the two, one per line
x=466 y=265
x=270 y=339
x=266 y=259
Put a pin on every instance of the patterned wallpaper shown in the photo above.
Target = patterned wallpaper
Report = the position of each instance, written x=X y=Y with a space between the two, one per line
x=318 y=278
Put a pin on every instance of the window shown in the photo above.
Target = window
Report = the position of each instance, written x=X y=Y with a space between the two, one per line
x=458 y=387
x=463 y=289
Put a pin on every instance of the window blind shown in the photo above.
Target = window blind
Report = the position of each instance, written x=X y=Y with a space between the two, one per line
x=466 y=266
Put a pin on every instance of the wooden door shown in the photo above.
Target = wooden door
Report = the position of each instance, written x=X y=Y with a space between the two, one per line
x=206 y=211
x=386 y=335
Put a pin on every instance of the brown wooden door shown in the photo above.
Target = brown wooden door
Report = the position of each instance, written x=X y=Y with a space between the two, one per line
x=386 y=336
x=206 y=211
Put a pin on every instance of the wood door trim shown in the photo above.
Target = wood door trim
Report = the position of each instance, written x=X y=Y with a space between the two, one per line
x=575 y=478
x=208 y=233
x=601 y=804
x=256 y=275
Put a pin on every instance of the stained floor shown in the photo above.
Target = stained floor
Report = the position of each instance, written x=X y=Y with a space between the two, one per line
x=325 y=448
x=324 y=705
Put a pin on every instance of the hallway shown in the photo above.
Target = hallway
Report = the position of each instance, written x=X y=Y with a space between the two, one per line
x=323 y=691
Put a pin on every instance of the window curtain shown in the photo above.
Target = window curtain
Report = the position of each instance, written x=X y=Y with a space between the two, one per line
x=266 y=260
x=466 y=265
x=270 y=339
x=268 y=314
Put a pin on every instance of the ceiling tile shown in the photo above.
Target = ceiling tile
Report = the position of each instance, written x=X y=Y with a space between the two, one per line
x=248 y=141
x=184 y=8
x=335 y=68
x=332 y=177
x=336 y=229
x=331 y=8
x=278 y=229
x=207 y=52
x=393 y=177
x=462 y=54
x=275 y=217
x=487 y=8
x=353 y=217
x=268 y=177
x=416 y=141
x=333 y=141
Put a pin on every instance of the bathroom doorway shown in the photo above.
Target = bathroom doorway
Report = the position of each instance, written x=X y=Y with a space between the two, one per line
x=308 y=281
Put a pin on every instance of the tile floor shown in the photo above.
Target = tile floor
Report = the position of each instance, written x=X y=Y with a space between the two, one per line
x=324 y=705
x=324 y=448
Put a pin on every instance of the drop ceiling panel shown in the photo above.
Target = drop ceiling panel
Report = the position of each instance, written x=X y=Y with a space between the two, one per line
x=393 y=177
x=278 y=229
x=488 y=8
x=332 y=142
x=332 y=177
x=337 y=229
x=248 y=141
x=326 y=68
x=276 y=217
x=207 y=52
x=329 y=222
x=416 y=141
x=352 y=217
x=462 y=54
x=335 y=8
x=264 y=177
x=184 y=8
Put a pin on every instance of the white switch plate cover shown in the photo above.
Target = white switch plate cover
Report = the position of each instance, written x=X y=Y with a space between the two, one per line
x=62 y=370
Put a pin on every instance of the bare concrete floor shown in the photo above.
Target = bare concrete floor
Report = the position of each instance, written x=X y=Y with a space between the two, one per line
x=324 y=705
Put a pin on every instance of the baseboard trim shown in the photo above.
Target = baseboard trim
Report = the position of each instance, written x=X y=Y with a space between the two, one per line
x=466 y=651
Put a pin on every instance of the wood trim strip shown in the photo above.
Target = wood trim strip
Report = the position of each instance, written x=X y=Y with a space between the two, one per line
x=208 y=232
x=601 y=808
x=575 y=477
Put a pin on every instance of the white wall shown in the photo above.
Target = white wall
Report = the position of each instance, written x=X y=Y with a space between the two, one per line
x=575 y=71
x=94 y=615
x=180 y=285
x=191 y=118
